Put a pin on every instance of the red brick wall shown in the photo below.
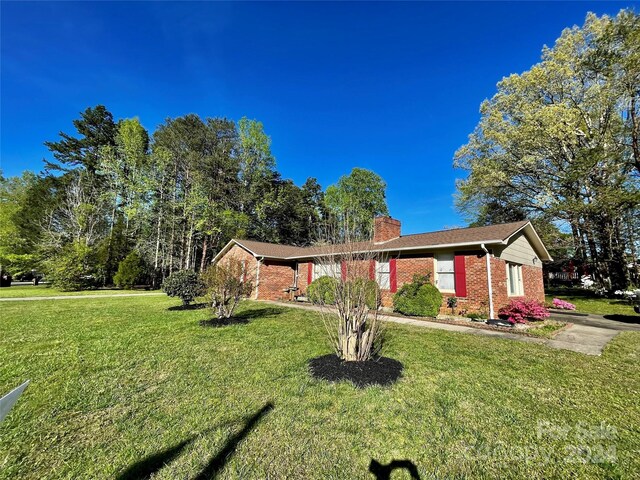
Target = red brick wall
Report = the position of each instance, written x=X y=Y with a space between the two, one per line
x=303 y=277
x=274 y=277
x=250 y=262
x=477 y=299
x=532 y=281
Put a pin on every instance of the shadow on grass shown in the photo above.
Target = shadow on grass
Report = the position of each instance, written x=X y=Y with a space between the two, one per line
x=151 y=464
x=383 y=472
x=223 y=322
x=623 y=318
x=191 y=306
x=259 y=312
x=217 y=463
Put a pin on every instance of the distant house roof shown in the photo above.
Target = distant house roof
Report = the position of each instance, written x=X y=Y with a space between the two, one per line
x=454 y=238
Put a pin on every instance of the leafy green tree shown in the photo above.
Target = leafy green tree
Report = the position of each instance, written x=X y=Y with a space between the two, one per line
x=130 y=271
x=73 y=268
x=556 y=142
x=356 y=200
x=96 y=129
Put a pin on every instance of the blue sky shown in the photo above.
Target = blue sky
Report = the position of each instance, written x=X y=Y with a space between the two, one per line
x=393 y=87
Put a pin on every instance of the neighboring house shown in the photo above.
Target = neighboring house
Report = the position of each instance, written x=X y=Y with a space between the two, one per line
x=483 y=267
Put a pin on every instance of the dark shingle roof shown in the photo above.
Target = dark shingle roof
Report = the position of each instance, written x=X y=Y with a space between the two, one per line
x=453 y=237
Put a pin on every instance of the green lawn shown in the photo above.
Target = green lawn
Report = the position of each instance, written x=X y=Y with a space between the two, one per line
x=126 y=383
x=21 y=291
x=598 y=306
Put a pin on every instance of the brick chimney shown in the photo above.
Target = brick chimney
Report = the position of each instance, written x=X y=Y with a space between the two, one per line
x=385 y=228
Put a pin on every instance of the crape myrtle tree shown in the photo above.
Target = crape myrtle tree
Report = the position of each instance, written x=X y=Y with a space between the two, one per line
x=353 y=327
x=560 y=143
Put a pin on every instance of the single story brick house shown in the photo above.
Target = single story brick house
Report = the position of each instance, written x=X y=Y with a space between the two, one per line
x=483 y=267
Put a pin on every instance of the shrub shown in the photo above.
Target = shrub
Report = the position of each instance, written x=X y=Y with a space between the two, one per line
x=520 y=311
x=323 y=290
x=371 y=292
x=130 y=270
x=452 y=303
x=563 y=304
x=226 y=283
x=419 y=298
x=73 y=268
x=185 y=284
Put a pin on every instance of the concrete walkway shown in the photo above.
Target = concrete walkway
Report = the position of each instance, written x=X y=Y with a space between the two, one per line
x=577 y=338
x=70 y=297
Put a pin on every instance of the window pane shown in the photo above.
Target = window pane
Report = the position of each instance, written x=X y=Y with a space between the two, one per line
x=444 y=262
x=446 y=281
x=384 y=281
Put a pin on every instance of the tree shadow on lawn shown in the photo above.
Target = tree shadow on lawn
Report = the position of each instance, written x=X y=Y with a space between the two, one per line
x=623 y=318
x=243 y=318
x=151 y=464
x=191 y=306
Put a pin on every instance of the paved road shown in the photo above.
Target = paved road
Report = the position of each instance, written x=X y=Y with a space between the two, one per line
x=613 y=322
x=71 y=297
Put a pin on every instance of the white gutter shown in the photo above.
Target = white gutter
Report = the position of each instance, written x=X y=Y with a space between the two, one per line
x=488 y=279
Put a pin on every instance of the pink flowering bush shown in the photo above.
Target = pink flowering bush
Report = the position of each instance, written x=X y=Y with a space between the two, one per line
x=563 y=305
x=521 y=311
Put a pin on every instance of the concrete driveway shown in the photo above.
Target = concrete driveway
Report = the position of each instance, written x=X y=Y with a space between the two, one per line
x=611 y=322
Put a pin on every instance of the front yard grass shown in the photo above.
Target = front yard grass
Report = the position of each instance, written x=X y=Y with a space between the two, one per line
x=597 y=306
x=126 y=385
x=44 y=290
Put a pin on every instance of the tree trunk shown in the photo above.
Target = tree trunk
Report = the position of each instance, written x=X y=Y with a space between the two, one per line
x=204 y=252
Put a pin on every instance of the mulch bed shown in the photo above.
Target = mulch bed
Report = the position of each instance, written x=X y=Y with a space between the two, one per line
x=223 y=322
x=381 y=371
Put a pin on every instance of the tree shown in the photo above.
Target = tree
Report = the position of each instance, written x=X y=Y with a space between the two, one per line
x=227 y=282
x=97 y=130
x=556 y=142
x=356 y=200
x=130 y=270
x=353 y=329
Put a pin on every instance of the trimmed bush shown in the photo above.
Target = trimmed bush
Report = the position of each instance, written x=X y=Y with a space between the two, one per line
x=323 y=290
x=419 y=298
x=130 y=270
x=184 y=284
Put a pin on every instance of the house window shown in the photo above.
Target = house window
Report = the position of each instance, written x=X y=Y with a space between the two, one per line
x=383 y=275
x=333 y=270
x=514 y=279
x=445 y=274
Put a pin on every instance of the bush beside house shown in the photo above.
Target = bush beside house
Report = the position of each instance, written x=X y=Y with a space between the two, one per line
x=419 y=298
